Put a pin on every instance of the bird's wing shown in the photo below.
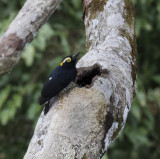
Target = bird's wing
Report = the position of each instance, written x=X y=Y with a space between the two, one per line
x=55 y=83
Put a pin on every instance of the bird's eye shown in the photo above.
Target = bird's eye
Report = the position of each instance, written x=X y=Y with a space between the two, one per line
x=68 y=59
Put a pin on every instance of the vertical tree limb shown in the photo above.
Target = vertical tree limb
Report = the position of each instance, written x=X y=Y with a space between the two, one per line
x=22 y=30
x=85 y=121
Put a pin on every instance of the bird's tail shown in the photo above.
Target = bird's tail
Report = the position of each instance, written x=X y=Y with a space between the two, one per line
x=46 y=107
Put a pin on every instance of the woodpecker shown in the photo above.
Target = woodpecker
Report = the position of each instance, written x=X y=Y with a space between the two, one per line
x=59 y=79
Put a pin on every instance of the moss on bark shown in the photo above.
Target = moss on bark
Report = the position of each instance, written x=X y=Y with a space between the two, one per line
x=129 y=15
x=93 y=7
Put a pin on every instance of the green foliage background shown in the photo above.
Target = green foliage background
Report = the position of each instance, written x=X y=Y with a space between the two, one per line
x=64 y=35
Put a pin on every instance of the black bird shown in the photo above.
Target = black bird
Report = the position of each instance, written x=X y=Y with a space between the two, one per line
x=59 y=79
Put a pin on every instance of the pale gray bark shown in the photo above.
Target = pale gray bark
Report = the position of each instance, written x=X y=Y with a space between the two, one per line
x=22 y=30
x=83 y=122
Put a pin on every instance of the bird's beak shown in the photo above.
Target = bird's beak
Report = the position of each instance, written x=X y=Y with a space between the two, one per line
x=74 y=57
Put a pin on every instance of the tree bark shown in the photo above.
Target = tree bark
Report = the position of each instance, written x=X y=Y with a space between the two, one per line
x=22 y=30
x=83 y=122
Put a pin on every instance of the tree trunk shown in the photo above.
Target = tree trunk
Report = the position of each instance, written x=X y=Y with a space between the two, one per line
x=22 y=30
x=83 y=122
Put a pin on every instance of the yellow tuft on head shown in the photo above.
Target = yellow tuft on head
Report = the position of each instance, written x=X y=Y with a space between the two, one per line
x=61 y=64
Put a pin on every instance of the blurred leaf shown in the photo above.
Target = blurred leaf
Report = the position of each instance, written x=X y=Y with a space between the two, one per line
x=158 y=7
x=157 y=79
x=45 y=34
x=4 y=95
x=31 y=113
x=9 y=110
x=4 y=117
x=76 y=3
x=17 y=100
x=28 y=55
x=136 y=112
x=141 y=98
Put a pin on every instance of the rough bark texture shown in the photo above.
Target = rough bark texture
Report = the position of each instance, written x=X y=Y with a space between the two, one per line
x=83 y=122
x=22 y=30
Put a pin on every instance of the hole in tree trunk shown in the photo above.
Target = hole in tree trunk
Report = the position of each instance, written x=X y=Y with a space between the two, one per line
x=85 y=75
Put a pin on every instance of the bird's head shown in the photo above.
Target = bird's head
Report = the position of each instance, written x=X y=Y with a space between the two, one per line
x=69 y=61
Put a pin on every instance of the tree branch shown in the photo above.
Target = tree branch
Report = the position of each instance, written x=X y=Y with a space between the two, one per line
x=22 y=30
x=85 y=121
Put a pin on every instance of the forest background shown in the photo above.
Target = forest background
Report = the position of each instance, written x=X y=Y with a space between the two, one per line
x=64 y=35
